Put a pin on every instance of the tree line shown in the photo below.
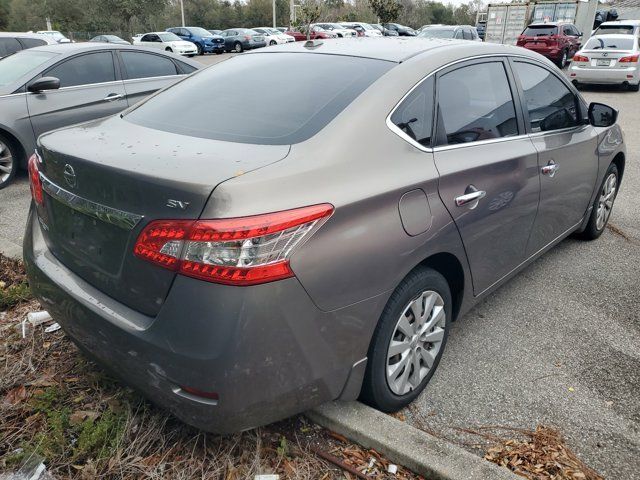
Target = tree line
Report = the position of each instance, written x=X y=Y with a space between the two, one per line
x=137 y=16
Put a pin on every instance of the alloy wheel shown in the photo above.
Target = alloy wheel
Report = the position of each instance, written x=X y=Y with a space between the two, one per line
x=415 y=343
x=238 y=48
x=605 y=202
x=6 y=162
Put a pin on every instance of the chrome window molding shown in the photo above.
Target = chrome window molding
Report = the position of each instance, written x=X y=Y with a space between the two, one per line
x=119 y=218
x=394 y=128
x=160 y=77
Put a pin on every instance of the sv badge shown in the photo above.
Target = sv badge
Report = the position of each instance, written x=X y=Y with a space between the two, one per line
x=171 y=203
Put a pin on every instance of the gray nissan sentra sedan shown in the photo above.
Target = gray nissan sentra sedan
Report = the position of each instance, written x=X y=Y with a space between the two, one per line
x=318 y=243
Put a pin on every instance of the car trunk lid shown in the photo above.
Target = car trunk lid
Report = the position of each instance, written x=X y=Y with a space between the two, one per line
x=106 y=180
x=607 y=58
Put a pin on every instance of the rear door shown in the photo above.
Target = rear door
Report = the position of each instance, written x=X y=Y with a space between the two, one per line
x=488 y=166
x=89 y=89
x=144 y=73
x=567 y=150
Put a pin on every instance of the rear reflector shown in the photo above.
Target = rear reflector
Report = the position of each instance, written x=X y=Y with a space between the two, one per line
x=630 y=59
x=234 y=251
x=34 y=179
x=201 y=393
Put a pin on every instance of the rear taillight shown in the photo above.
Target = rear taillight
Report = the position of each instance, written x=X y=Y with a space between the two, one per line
x=580 y=58
x=35 y=184
x=247 y=37
x=233 y=251
x=630 y=59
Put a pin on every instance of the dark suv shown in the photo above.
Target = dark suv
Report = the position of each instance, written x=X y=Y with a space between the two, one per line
x=205 y=41
x=556 y=41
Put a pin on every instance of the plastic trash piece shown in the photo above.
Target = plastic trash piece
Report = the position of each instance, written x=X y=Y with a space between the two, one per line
x=392 y=469
x=52 y=328
x=268 y=476
x=33 y=468
x=38 y=318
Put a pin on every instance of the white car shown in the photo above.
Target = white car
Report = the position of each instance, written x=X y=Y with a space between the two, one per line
x=56 y=35
x=608 y=59
x=337 y=29
x=622 y=27
x=273 y=36
x=365 y=28
x=167 y=41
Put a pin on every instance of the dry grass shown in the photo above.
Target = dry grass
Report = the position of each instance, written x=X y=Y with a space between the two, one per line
x=57 y=405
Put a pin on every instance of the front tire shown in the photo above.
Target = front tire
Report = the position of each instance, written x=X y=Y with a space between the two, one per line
x=8 y=161
x=634 y=88
x=200 y=50
x=168 y=49
x=603 y=205
x=272 y=43
x=408 y=341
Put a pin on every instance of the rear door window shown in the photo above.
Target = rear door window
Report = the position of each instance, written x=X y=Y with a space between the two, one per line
x=475 y=103
x=549 y=102
x=414 y=116
x=84 y=70
x=9 y=46
x=467 y=34
x=146 y=65
x=292 y=111
x=31 y=42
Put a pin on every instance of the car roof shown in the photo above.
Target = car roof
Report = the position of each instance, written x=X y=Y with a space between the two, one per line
x=73 y=48
x=27 y=35
x=392 y=49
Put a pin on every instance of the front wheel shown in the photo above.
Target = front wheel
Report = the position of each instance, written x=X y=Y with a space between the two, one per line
x=634 y=88
x=8 y=162
x=200 y=50
x=168 y=49
x=603 y=205
x=272 y=43
x=408 y=341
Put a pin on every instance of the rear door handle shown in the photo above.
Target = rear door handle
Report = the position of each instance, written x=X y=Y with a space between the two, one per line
x=112 y=96
x=471 y=197
x=550 y=168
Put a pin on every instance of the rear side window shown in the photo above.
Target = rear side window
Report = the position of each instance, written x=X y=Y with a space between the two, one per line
x=550 y=103
x=291 y=112
x=467 y=34
x=31 y=42
x=84 y=70
x=475 y=103
x=9 y=46
x=540 y=31
x=146 y=65
x=414 y=116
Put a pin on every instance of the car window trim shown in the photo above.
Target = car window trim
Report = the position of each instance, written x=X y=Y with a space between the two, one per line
x=525 y=112
x=391 y=126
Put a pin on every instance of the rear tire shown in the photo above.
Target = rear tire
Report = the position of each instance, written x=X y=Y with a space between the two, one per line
x=603 y=205
x=415 y=324
x=9 y=159
x=562 y=62
x=237 y=47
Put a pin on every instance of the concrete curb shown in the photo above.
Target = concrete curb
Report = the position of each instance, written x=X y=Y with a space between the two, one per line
x=10 y=249
x=405 y=445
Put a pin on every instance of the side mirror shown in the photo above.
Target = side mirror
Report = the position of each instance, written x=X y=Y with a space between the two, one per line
x=44 y=83
x=601 y=115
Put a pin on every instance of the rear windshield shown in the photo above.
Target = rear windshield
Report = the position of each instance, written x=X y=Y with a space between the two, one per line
x=607 y=43
x=540 y=30
x=432 y=32
x=21 y=63
x=613 y=29
x=248 y=100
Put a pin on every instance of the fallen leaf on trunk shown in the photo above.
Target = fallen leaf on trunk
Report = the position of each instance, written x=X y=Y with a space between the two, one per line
x=80 y=416
x=16 y=395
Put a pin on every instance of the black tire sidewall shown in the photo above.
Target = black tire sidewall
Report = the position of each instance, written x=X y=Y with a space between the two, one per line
x=375 y=391
x=16 y=160
x=592 y=232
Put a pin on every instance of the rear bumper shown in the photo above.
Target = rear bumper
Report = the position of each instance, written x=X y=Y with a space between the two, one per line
x=604 y=75
x=267 y=350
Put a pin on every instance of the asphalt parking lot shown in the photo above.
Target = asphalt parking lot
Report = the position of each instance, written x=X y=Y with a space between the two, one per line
x=558 y=345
